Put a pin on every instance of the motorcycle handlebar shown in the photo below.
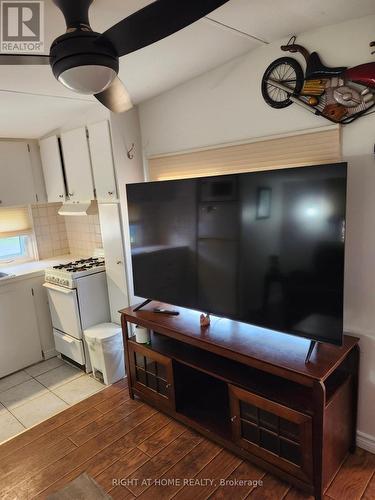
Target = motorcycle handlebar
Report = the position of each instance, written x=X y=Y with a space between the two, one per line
x=294 y=47
x=288 y=48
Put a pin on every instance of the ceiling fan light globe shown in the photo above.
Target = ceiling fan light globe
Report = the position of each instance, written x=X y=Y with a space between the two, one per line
x=88 y=79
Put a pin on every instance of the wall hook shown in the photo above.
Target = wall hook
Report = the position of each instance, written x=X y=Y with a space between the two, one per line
x=130 y=152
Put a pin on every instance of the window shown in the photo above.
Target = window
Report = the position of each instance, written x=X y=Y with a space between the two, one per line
x=16 y=235
x=16 y=247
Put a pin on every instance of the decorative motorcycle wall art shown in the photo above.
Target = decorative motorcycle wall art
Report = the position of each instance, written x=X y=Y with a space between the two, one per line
x=339 y=94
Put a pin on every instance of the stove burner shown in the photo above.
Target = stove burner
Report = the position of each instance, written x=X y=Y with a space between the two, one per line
x=81 y=265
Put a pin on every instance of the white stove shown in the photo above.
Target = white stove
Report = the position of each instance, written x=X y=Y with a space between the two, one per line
x=66 y=275
x=78 y=299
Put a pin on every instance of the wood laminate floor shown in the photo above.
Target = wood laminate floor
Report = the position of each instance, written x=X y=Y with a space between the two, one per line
x=112 y=437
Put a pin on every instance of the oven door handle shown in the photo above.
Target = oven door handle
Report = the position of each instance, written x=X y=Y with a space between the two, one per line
x=57 y=288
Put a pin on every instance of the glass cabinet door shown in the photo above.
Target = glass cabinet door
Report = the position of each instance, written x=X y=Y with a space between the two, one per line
x=152 y=374
x=272 y=431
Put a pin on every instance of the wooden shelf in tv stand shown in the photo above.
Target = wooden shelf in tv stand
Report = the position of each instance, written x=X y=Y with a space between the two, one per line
x=250 y=390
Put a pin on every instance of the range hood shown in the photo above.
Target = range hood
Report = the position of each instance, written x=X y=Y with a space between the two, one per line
x=79 y=208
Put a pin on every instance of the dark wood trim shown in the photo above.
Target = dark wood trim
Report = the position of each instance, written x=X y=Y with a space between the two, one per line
x=354 y=370
x=319 y=396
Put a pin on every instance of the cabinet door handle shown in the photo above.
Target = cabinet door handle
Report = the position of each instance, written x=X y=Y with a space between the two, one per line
x=233 y=418
x=119 y=262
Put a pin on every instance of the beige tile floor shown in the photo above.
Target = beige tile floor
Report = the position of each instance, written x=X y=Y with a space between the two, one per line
x=32 y=395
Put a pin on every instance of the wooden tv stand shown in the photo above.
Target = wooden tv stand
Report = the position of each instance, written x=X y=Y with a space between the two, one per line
x=250 y=390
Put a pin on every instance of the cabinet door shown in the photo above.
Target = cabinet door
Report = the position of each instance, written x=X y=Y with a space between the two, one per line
x=43 y=316
x=19 y=338
x=102 y=161
x=110 y=223
x=77 y=165
x=152 y=374
x=52 y=169
x=273 y=432
x=16 y=176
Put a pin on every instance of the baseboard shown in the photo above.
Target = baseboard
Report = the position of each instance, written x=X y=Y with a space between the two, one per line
x=51 y=353
x=366 y=441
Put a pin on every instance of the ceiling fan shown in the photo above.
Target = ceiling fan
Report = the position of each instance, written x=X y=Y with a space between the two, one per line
x=88 y=62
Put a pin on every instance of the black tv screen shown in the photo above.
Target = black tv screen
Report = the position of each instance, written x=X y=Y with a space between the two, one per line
x=265 y=248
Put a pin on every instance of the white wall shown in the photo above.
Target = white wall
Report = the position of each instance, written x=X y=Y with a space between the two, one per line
x=225 y=105
x=125 y=131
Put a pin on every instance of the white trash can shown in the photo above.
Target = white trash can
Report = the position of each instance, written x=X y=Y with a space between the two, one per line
x=106 y=350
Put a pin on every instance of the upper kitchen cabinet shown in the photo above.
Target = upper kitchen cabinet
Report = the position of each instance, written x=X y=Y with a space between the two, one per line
x=77 y=163
x=102 y=161
x=52 y=169
x=16 y=174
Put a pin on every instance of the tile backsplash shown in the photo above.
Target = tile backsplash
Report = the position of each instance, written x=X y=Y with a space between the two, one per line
x=60 y=235
x=50 y=230
x=84 y=234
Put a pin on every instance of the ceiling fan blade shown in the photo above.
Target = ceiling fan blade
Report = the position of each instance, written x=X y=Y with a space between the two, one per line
x=23 y=59
x=116 y=98
x=156 y=21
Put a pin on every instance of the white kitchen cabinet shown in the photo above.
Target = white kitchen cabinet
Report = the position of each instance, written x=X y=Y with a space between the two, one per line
x=19 y=338
x=52 y=169
x=102 y=161
x=77 y=165
x=43 y=316
x=16 y=175
x=110 y=223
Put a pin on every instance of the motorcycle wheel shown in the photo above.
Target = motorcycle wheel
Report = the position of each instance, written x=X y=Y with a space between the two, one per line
x=285 y=70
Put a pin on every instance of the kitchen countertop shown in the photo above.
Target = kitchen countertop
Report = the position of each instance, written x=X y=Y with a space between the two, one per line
x=31 y=269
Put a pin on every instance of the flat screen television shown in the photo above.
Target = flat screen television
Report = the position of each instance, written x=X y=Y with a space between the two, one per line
x=265 y=248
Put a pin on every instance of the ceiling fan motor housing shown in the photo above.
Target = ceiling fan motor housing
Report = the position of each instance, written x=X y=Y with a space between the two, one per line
x=83 y=64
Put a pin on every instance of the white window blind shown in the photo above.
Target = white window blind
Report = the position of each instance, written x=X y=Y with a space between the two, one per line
x=15 y=221
x=311 y=147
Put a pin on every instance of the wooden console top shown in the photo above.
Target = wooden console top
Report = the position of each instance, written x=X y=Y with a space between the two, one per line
x=273 y=352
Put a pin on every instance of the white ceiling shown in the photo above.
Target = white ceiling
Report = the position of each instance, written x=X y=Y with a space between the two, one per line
x=157 y=68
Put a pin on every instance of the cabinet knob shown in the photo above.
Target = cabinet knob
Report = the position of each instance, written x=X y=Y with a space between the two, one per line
x=61 y=196
x=110 y=193
x=119 y=262
x=168 y=386
x=71 y=194
x=233 y=418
